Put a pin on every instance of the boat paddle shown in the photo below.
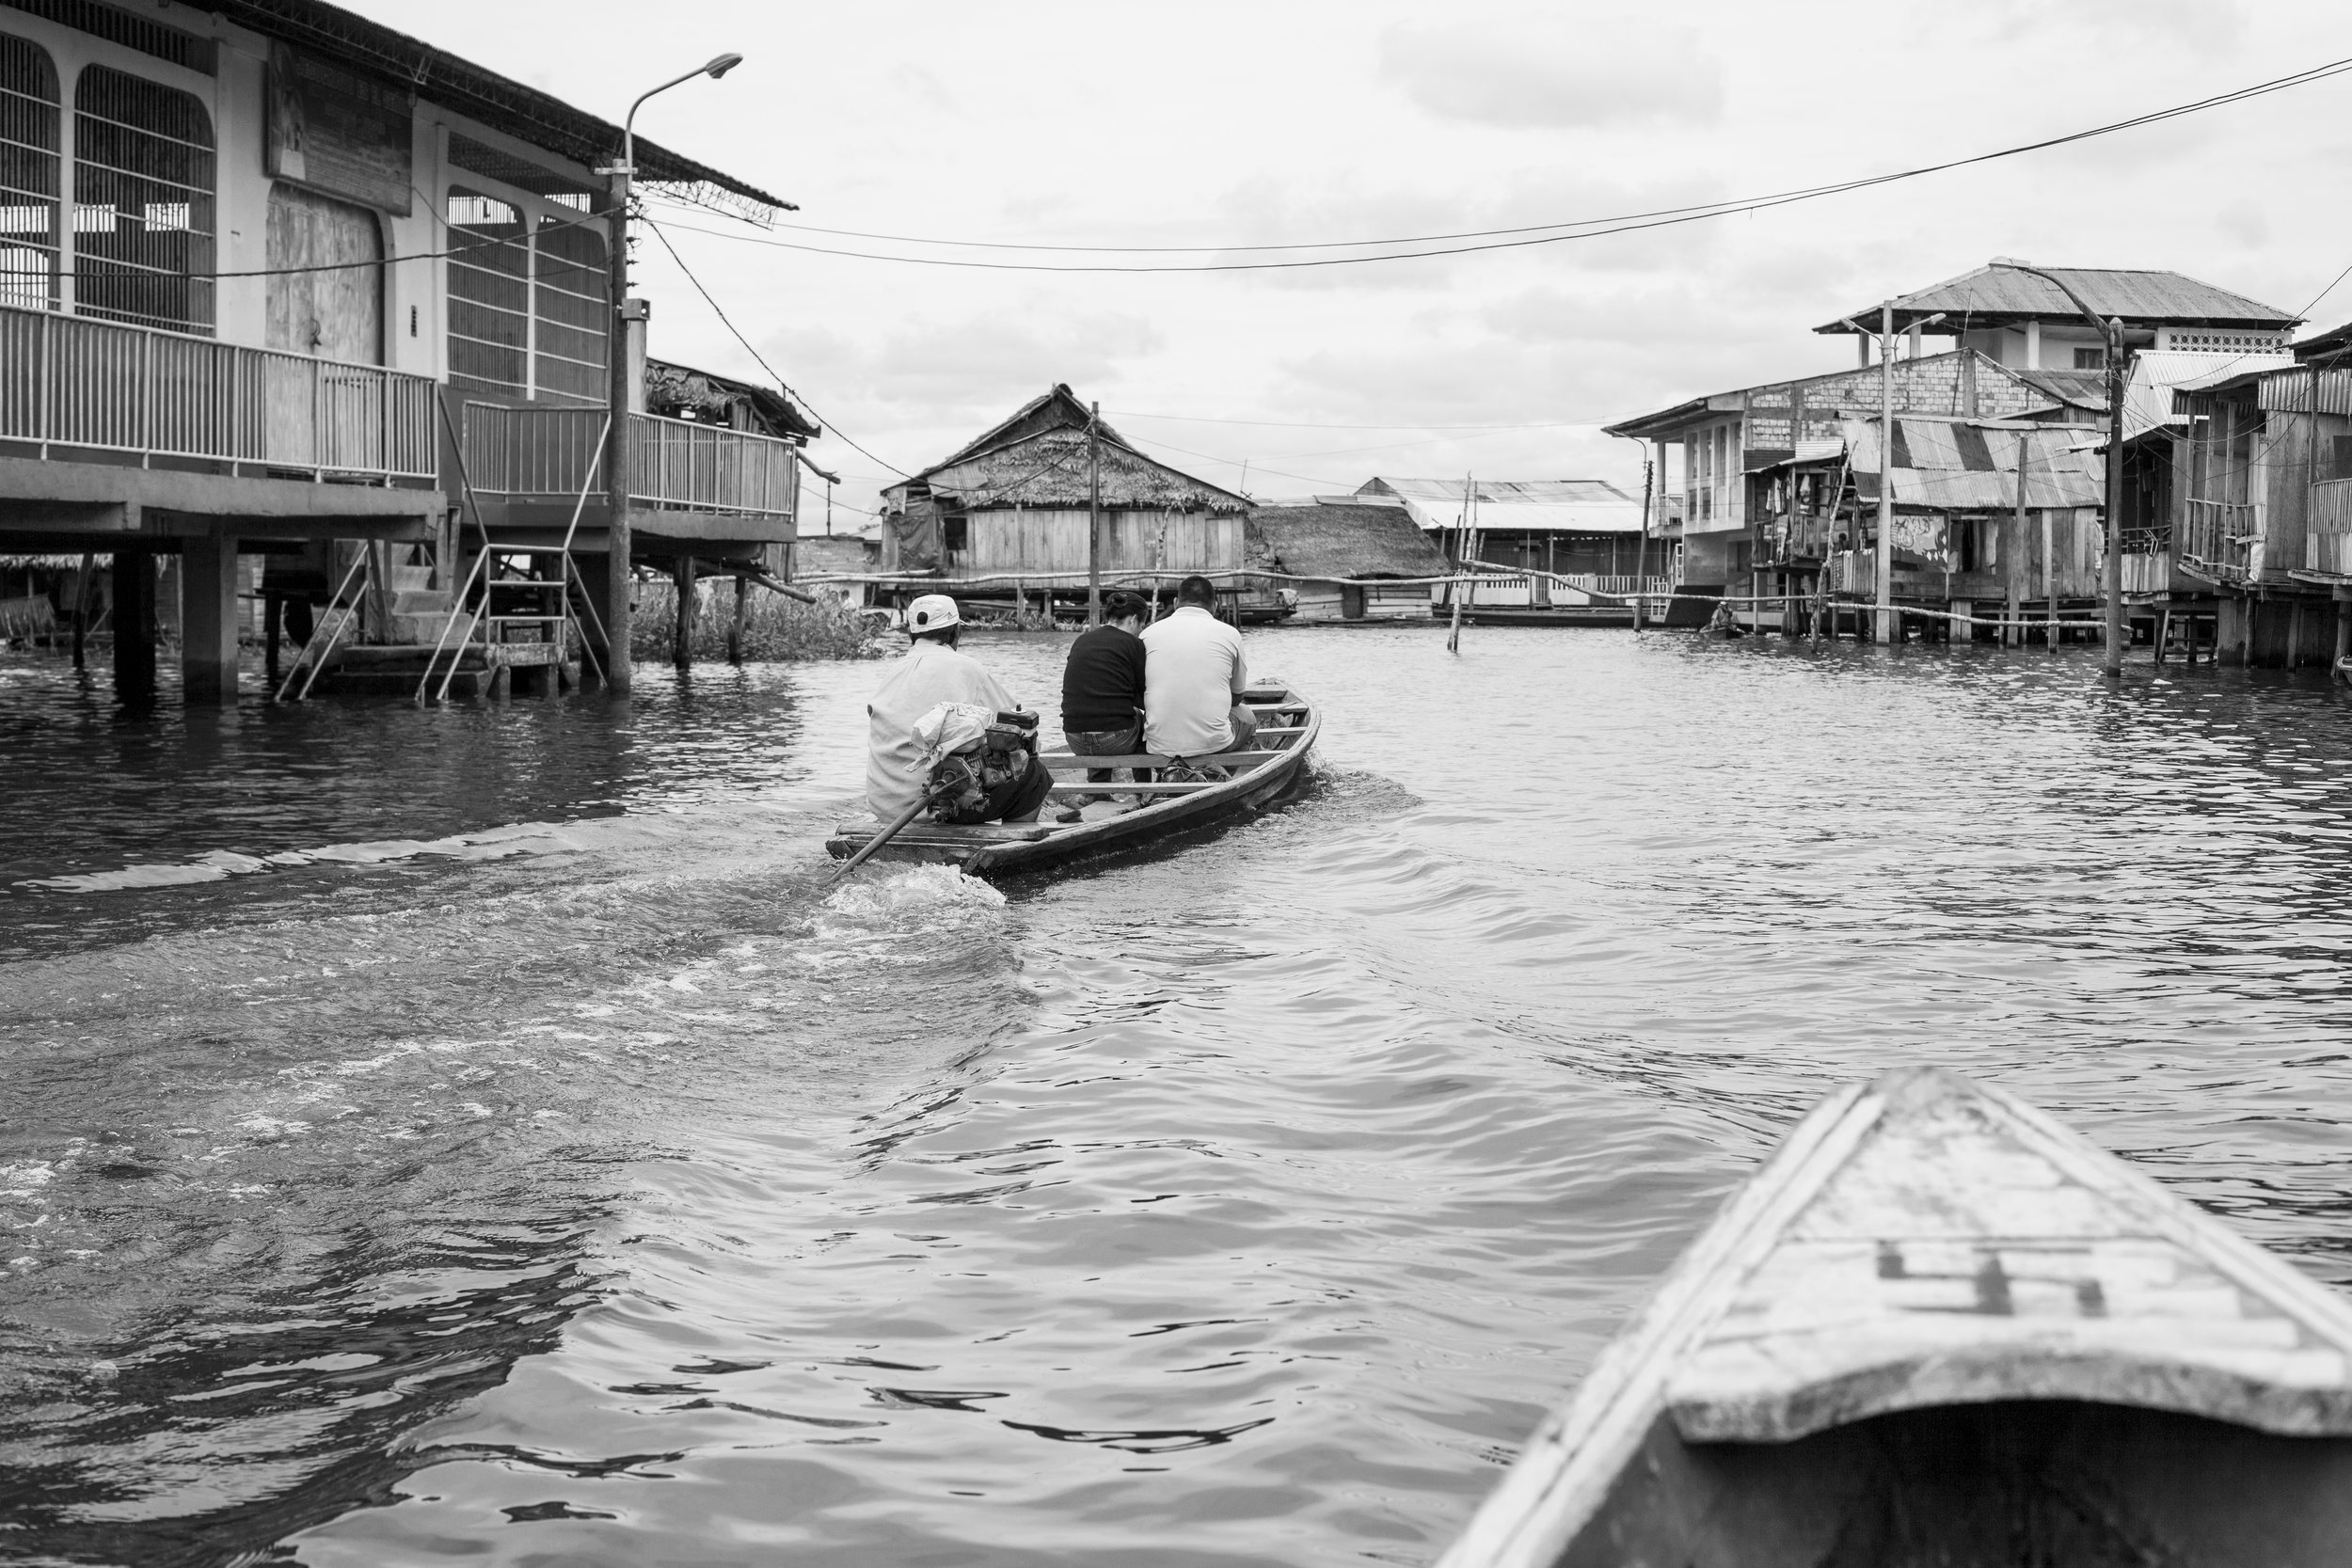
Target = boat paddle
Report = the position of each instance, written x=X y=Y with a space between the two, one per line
x=887 y=834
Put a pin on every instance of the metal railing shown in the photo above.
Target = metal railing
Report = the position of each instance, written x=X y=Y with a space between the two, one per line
x=545 y=455
x=100 y=385
x=2223 y=538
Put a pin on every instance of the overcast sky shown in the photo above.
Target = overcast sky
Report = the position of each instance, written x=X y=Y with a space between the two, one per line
x=1260 y=123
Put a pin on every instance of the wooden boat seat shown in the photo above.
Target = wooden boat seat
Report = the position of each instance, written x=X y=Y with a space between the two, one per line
x=1187 y=789
x=923 y=832
x=1067 y=760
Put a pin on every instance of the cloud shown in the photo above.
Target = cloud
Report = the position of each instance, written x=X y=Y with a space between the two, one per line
x=1554 y=73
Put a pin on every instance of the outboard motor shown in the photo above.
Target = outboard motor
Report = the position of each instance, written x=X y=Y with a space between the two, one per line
x=964 y=781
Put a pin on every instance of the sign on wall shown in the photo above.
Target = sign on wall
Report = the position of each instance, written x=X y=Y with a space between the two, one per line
x=338 y=132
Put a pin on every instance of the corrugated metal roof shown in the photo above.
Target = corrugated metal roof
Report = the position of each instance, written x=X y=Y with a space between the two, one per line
x=2289 y=391
x=2159 y=373
x=1996 y=294
x=1529 y=505
x=1971 y=465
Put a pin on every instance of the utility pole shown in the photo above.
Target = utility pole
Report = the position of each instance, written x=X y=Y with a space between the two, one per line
x=1094 y=515
x=2112 y=330
x=2113 y=665
x=619 y=576
x=620 y=389
x=1640 y=551
x=1886 y=472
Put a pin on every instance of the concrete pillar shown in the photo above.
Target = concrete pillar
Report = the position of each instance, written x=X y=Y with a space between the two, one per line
x=208 y=620
x=134 y=626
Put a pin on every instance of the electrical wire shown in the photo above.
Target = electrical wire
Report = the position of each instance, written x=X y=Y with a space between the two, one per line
x=724 y=320
x=1509 y=239
x=128 y=270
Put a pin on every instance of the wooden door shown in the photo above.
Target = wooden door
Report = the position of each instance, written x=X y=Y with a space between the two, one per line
x=331 y=315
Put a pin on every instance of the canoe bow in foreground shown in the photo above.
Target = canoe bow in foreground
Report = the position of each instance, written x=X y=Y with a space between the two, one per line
x=1938 y=1327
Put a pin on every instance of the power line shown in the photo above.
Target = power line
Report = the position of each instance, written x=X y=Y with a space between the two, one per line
x=772 y=374
x=1509 y=239
x=1311 y=425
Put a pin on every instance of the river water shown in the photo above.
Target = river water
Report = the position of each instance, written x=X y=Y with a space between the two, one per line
x=482 y=1134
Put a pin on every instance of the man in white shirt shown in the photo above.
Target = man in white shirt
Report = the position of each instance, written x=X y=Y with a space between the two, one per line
x=1193 y=670
x=933 y=672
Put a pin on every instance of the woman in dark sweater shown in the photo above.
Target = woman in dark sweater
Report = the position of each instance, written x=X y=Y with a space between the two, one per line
x=1102 y=688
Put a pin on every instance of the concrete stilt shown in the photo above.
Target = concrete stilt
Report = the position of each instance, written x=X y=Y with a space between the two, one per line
x=208 y=620
x=134 y=628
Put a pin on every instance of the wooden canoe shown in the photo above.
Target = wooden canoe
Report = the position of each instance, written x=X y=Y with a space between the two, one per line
x=1939 y=1328
x=1287 y=726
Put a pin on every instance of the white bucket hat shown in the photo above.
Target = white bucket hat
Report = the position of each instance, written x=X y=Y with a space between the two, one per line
x=932 y=613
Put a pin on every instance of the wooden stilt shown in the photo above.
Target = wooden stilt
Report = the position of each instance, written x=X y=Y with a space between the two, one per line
x=682 y=631
x=735 y=628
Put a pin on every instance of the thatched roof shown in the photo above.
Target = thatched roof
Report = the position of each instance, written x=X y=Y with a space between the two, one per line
x=1039 y=458
x=822 y=554
x=1342 y=540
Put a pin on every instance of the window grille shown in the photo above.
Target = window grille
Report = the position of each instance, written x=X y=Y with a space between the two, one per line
x=29 y=175
x=117 y=25
x=143 y=167
x=489 y=295
x=569 y=299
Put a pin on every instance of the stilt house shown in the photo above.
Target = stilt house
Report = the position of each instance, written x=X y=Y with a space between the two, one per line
x=1010 y=510
x=279 y=280
x=1353 y=549
x=1586 y=529
x=2021 y=352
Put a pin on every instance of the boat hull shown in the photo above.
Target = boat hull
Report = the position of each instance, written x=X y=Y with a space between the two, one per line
x=992 y=847
x=1938 y=1328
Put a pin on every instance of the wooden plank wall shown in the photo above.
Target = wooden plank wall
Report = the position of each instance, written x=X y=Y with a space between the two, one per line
x=1021 y=539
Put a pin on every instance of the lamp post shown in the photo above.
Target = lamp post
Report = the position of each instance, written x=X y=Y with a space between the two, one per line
x=2111 y=330
x=618 y=393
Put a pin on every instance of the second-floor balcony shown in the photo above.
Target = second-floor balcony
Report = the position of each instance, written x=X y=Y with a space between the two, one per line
x=539 y=465
x=73 y=389
x=2222 y=539
x=2327 y=544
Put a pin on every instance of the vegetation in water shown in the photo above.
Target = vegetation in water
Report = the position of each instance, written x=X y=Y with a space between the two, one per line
x=775 y=628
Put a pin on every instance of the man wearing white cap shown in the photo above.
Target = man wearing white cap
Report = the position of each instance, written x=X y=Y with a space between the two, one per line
x=933 y=672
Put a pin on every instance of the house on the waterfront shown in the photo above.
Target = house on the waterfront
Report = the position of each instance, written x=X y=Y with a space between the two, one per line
x=2260 y=493
x=2020 y=351
x=1012 y=509
x=277 y=280
x=1359 y=555
x=1998 y=515
x=1583 y=529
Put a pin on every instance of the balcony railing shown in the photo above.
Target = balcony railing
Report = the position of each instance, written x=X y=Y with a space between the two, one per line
x=546 y=454
x=2327 y=547
x=91 y=385
x=2223 y=539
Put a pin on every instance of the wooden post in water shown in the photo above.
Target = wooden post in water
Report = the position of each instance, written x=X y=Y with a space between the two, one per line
x=82 y=582
x=682 y=626
x=2049 y=579
x=1463 y=550
x=735 y=630
x=1886 y=474
x=2013 y=635
x=1094 y=515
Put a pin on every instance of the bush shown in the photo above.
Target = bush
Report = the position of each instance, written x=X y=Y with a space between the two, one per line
x=775 y=628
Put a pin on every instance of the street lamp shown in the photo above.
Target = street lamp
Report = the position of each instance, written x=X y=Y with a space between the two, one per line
x=2112 y=330
x=618 y=393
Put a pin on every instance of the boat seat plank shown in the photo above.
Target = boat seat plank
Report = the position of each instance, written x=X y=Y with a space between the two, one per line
x=1076 y=789
x=949 y=832
x=1066 y=760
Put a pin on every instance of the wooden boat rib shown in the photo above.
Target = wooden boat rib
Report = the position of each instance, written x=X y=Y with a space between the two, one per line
x=1287 y=727
x=1939 y=1328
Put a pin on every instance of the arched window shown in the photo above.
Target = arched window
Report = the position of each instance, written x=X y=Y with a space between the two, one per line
x=489 y=295
x=569 y=303
x=143 y=232
x=29 y=175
